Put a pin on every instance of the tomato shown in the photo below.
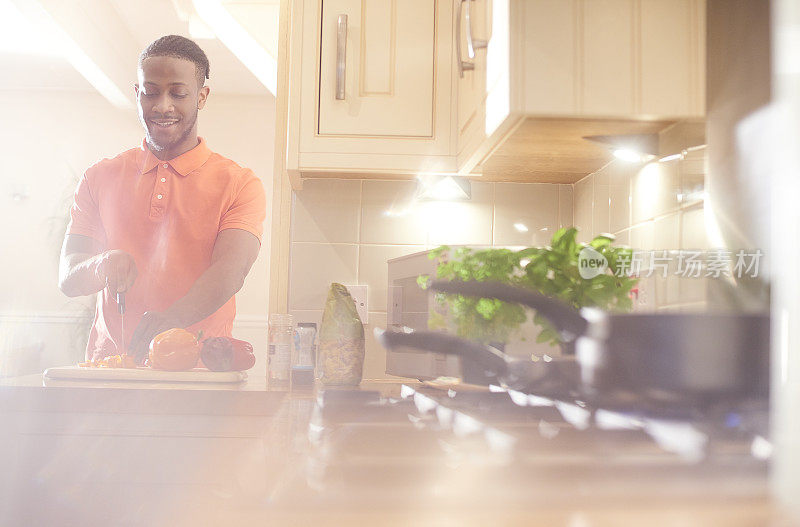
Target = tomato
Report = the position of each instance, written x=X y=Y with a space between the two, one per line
x=217 y=354
x=174 y=350
x=243 y=358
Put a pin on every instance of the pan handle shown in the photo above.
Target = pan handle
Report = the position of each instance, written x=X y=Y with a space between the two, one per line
x=488 y=358
x=569 y=322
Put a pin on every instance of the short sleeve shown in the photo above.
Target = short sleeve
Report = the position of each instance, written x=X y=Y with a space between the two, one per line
x=248 y=209
x=85 y=213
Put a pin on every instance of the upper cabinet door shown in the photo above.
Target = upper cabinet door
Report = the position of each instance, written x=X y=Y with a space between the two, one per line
x=471 y=39
x=607 y=57
x=672 y=57
x=387 y=67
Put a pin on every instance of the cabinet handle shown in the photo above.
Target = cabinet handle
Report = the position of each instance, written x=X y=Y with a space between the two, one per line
x=463 y=65
x=472 y=44
x=341 y=56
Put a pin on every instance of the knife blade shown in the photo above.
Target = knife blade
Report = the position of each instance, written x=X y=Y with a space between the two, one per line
x=121 y=310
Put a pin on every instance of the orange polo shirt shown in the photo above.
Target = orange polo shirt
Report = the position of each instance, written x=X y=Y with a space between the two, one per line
x=167 y=214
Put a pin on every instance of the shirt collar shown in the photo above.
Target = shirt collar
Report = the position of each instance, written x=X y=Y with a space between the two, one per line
x=183 y=164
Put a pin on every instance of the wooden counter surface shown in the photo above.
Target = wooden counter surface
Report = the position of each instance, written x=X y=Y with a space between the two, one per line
x=87 y=454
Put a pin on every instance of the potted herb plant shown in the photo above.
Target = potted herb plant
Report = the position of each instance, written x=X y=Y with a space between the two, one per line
x=553 y=271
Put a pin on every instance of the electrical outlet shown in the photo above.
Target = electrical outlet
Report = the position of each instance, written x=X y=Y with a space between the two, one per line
x=360 y=297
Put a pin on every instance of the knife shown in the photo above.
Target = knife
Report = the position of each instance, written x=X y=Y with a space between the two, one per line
x=121 y=310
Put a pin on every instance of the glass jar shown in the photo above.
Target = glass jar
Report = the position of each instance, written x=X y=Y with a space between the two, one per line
x=303 y=354
x=279 y=354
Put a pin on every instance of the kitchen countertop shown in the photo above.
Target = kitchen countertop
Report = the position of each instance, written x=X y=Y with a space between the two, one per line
x=34 y=393
x=248 y=454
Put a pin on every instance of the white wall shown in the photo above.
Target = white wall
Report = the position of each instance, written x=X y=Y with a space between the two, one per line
x=48 y=139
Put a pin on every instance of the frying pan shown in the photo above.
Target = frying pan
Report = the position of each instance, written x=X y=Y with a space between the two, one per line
x=703 y=357
x=553 y=378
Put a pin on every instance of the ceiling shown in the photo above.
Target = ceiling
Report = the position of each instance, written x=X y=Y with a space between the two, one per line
x=26 y=65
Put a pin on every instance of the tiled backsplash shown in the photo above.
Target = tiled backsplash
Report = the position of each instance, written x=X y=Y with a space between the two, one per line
x=345 y=231
x=655 y=207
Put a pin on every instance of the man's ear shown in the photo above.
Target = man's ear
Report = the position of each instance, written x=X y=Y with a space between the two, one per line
x=136 y=89
x=202 y=97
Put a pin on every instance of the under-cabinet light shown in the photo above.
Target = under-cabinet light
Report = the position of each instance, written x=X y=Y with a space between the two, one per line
x=632 y=156
x=443 y=188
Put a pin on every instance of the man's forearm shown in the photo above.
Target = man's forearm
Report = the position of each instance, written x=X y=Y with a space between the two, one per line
x=209 y=293
x=77 y=276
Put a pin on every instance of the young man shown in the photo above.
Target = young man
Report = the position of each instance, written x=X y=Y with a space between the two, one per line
x=171 y=225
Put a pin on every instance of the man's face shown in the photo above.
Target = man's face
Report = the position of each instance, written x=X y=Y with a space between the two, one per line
x=168 y=96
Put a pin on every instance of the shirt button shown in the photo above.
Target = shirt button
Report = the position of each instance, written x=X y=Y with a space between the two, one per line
x=159 y=196
x=163 y=180
x=166 y=165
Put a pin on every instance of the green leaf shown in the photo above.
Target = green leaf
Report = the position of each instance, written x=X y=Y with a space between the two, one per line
x=603 y=240
x=551 y=270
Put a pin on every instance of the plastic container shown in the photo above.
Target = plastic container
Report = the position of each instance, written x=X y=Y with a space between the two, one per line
x=303 y=354
x=279 y=354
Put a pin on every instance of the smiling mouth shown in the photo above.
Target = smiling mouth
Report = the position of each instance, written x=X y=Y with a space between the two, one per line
x=164 y=123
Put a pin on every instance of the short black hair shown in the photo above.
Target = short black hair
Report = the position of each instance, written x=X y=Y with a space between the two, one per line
x=182 y=48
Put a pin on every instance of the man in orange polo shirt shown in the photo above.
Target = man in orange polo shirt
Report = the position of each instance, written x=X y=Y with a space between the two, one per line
x=172 y=225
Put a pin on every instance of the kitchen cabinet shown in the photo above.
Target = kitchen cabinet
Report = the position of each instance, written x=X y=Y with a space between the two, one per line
x=369 y=88
x=599 y=61
x=471 y=26
x=382 y=88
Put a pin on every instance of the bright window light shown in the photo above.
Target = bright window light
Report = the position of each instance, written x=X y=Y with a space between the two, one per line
x=521 y=227
x=36 y=21
x=238 y=40
x=17 y=36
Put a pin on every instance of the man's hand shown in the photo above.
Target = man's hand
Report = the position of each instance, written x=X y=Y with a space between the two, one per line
x=151 y=324
x=117 y=270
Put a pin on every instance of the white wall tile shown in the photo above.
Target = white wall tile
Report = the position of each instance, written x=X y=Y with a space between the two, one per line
x=375 y=354
x=327 y=210
x=693 y=170
x=667 y=232
x=389 y=214
x=313 y=267
x=623 y=237
x=619 y=193
x=693 y=229
x=601 y=203
x=460 y=222
x=666 y=237
x=532 y=206
x=566 y=206
x=642 y=236
x=655 y=189
x=584 y=199
x=373 y=271
x=314 y=316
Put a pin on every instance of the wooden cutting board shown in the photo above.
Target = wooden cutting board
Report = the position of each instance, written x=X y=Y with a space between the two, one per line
x=142 y=374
